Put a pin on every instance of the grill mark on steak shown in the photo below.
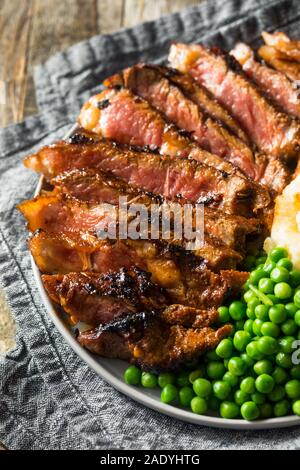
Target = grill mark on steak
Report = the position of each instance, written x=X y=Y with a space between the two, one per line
x=157 y=341
x=222 y=75
x=167 y=176
x=275 y=84
x=94 y=298
x=151 y=83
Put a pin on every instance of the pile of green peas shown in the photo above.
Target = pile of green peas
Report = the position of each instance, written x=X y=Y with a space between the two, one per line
x=251 y=374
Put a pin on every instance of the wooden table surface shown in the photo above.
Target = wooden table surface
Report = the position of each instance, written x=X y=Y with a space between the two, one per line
x=33 y=30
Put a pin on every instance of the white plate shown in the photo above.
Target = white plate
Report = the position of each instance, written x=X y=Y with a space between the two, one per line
x=112 y=371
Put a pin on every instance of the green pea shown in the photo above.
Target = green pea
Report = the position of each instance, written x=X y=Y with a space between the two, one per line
x=277 y=253
x=297 y=299
x=186 y=395
x=248 y=326
x=196 y=374
x=247 y=385
x=292 y=389
x=295 y=278
x=267 y=345
x=273 y=299
x=266 y=285
x=297 y=318
x=280 y=375
x=277 y=394
x=257 y=324
x=285 y=263
x=224 y=316
x=237 y=366
x=221 y=389
x=283 y=290
x=166 y=378
x=281 y=408
x=229 y=410
x=279 y=275
x=284 y=360
x=289 y=327
x=183 y=379
x=169 y=393
x=286 y=344
x=250 y=314
x=277 y=313
x=148 y=380
x=237 y=310
x=256 y=275
x=199 y=405
x=241 y=397
x=269 y=266
x=215 y=370
x=263 y=367
x=262 y=312
x=264 y=383
x=249 y=411
x=132 y=375
x=261 y=260
x=291 y=309
x=241 y=339
x=270 y=329
x=258 y=398
x=202 y=388
x=213 y=403
x=249 y=295
x=231 y=379
x=266 y=411
x=295 y=372
x=224 y=348
x=225 y=362
x=296 y=407
x=253 y=351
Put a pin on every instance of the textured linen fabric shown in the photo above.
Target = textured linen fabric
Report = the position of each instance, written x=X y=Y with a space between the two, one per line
x=49 y=398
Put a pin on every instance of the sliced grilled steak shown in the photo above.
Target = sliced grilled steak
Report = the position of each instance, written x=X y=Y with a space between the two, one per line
x=153 y=85
x=271 y=130
x=57 y=214
x=169 y=177
x=157 y=341
x=127 y=119
x=186 y=281
x=95 y=298
x=236 y=232
x=200 y=95
x=275 y=84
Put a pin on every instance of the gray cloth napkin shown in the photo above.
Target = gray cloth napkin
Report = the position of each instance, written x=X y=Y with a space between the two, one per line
x=49 y=398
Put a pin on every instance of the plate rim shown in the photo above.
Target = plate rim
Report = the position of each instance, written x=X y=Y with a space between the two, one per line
x=133 y=392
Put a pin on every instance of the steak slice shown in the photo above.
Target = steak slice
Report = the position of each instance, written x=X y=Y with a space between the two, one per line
x=275 y=84
x=170 y=177
x=157 y=341
x=129 y=120
x=279 y=62
x=236 y=232
x=152 y=83
x=94 y=298
x=200 y=95
x=57 y=215
x=187 y=281
x=271 y=130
